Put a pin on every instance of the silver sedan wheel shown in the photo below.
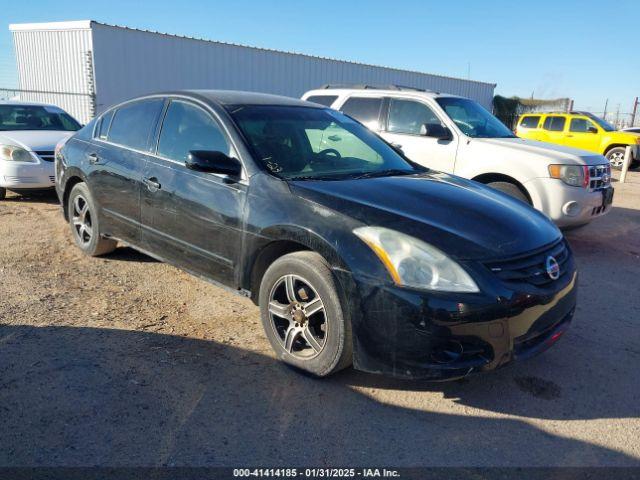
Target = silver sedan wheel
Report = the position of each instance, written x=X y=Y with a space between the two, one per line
x=81 y=219
x=298 y=317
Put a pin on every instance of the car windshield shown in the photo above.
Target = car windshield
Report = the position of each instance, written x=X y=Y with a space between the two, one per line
x=606 y=126
x=34 y=117
x=302 y=143
x=472 y=119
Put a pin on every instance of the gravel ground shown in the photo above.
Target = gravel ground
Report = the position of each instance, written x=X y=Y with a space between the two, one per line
x=125 y=361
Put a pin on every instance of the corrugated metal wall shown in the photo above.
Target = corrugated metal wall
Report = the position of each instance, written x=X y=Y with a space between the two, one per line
x=129 y=62
x=132 y=62
x=57 y=62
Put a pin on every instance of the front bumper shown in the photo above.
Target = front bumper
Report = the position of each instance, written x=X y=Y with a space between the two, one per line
x=27 y=176
x=417 y=335
x=565 y=205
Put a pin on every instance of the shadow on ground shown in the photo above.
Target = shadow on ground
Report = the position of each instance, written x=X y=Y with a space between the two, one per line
x=85 y=396
x=45 y=196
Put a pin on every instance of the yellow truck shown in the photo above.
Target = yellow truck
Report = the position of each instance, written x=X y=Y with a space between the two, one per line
x=580 y=130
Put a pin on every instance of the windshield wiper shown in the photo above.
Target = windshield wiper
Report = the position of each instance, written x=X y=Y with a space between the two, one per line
x=385 y=173
x=313 y=177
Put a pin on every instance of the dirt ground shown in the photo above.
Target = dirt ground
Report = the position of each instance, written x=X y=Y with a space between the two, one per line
x=124 y=361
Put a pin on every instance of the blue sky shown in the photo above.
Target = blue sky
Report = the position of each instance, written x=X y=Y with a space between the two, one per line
x=582 y=49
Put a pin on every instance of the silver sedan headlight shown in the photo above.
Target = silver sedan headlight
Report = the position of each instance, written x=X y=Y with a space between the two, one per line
x=414 y=263
x=11 y=153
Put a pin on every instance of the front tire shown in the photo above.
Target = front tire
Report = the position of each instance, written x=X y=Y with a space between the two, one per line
x=616 y=157
x=302 y=314
x=511 y=190
x=85 y=224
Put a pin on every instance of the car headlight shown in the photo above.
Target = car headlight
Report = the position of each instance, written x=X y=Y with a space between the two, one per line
x=414 y=263
x=11 y=153
x=574 y=175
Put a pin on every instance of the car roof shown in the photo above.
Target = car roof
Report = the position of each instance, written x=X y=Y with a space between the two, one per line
x=234 y=97
x=378 y=92
x=19 y=103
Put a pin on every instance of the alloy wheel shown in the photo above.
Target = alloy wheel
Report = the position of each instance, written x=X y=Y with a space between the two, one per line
x=81 y=219
x=616 y=159
x=298 y=317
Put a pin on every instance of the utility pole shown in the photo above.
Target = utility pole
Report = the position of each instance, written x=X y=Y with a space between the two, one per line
x=633 y=114
x=617 y=124
x=604 y=114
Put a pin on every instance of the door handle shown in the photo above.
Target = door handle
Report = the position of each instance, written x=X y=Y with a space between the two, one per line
x=152 y=184
x=94 y=159
x=568 y=136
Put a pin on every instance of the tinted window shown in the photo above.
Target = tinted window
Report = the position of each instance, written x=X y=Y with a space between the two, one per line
x=530 y=122
x=365 y=110
x=187 y=127
x=406 y=116
x=103 y=127
x=580 y=125
x=36 y=117
x=554 y=124
x=309 y=143
x=325 y=100
x=133 y=123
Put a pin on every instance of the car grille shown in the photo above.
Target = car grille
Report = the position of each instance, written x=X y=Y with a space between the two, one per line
x=46 y=155
x=599 y=176
x=52 y=178
x=531 y=268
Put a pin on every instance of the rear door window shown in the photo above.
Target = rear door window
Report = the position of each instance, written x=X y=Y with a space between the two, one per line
x=133 y=123
x=103 y=127
x=364 y=109
x=408 y=116
x=326 y=100
x=530 y=122
x=554 y=124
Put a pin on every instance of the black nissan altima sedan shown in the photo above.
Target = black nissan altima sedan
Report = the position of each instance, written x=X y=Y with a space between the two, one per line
x=354 y=254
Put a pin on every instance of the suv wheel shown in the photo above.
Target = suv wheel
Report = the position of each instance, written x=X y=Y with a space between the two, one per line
x=84 y=222
x=510 y=189
x=616 y=157
x=302 y=315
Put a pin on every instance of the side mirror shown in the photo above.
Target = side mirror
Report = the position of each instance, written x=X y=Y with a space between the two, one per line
x=436 y=130
x=592 y=130
x=213 y=162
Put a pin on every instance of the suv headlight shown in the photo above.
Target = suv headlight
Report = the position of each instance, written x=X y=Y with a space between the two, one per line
x=414 y=263
x=574 y=175
x=11 y=153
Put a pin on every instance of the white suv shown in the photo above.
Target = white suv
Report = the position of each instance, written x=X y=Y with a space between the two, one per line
x=456 y=135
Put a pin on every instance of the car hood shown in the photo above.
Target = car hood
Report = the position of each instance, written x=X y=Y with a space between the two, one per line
x=462 y=218
x=34 y=140
x=534 y=149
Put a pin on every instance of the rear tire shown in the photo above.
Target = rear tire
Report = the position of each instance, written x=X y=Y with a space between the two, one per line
x=3 y=193
x=85 y=224
x=616 y=157
x=510 y=189
x=292 y=287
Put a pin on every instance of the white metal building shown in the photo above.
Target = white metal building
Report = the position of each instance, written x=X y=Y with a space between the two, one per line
x=86 y=66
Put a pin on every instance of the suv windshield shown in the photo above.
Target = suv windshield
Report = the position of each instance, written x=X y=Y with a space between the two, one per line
x=606 y=126
x=472 y=119
x=301 y=143
x=35 y=117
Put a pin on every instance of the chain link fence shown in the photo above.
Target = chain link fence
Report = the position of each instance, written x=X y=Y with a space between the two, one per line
x=75 y=103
